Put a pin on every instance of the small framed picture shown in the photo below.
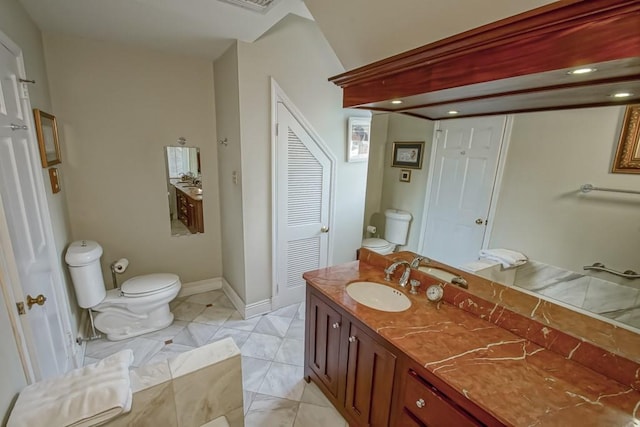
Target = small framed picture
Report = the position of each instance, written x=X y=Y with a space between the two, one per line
x=405 y=175
x=407 y=155
x=358 y=137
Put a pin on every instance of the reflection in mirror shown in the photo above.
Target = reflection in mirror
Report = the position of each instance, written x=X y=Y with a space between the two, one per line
x=184 y=189
x=536 y=207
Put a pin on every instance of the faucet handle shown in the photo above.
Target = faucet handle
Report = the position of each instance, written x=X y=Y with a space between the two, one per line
x=416 y=261
x=414 y=286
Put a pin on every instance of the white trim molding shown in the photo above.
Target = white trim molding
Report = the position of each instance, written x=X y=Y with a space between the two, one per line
x=246 y=310
x=200 y=286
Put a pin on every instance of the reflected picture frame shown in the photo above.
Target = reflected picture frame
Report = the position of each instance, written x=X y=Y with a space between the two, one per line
x=627 y=157
x=358 y=139
x=405 y=175
x=47 y=134
x=407 y=154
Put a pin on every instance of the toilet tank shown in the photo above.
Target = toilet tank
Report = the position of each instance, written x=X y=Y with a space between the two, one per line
x=396 y=226
x=83 y=259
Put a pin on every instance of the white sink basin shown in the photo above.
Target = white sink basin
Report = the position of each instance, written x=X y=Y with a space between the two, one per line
x=437 y=273
x=380 y=297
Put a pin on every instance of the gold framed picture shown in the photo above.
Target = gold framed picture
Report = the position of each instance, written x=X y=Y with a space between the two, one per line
x=47 y=133
x=627 y=158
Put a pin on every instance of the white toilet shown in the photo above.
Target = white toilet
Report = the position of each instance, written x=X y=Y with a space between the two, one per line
x=395 y=232
x=139 y=306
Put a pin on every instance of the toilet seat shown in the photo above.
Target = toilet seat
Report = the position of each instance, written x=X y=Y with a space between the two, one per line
x=380 y=246
x=148 y=284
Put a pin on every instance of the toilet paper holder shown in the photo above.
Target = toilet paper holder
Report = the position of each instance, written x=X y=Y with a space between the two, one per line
x=118 y=267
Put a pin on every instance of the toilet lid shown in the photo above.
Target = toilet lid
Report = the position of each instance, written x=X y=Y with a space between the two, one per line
x=374 y=243
x=148 y=284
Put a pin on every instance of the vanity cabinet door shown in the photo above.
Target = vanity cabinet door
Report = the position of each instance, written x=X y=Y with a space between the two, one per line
x=370 y=376
x=323 y=345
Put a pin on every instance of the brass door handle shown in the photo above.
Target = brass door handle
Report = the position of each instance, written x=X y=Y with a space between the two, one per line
x=40 y=299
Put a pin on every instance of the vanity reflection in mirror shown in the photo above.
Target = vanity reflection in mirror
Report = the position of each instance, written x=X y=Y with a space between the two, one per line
x=184 y=190
x=514 y=182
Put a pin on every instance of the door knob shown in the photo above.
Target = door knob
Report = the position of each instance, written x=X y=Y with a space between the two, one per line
x=40 y=299
x=479 y=221
x=324 y=229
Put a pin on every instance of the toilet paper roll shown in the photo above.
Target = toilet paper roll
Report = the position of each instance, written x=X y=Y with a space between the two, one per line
x=371 y=229
x=120 y=265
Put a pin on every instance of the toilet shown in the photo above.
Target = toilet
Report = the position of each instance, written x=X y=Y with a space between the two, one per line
x=395 y=232
x=139 y=306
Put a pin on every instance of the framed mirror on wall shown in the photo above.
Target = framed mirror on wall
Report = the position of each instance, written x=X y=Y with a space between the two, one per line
x=184 y=190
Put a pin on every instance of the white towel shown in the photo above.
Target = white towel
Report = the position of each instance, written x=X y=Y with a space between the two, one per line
x=86 y=396
x=506 y=257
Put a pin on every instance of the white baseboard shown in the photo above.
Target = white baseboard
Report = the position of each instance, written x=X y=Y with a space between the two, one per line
x=246 y=310
x=200 y=286
x=257 y=308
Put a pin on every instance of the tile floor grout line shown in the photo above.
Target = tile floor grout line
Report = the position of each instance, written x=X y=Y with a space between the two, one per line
x=220 y=306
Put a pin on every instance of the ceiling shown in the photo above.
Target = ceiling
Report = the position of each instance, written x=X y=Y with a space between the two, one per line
x=359 y=31
x=204 y=28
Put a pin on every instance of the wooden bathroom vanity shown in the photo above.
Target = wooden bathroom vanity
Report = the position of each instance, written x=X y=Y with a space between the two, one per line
x=463 y=361
x=190 y=210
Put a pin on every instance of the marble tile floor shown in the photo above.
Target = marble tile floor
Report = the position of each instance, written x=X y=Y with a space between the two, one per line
x=272 y=347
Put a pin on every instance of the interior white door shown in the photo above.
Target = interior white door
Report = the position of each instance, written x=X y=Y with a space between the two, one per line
x=303 y=174
x=465 y=165
x=22 y=194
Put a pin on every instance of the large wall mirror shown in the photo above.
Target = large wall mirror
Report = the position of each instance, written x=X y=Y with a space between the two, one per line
x=538 y=206
x=184 y=190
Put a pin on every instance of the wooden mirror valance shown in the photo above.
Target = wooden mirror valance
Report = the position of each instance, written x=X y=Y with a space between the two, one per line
x=518 y=64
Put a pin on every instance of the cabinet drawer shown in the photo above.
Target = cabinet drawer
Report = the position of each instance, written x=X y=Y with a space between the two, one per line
x=431 y=407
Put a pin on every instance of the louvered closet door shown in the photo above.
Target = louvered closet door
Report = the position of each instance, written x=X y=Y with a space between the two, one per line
x=303 y=174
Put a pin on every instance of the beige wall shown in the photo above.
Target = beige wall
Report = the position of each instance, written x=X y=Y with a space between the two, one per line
x=118 y=107
x=298 y=57
x=376 y=164
x=229 y=161
x=540 y=211
x=406 y=196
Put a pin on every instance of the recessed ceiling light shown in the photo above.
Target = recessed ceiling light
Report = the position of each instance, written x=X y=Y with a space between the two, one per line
x=396 y=101
x=622 y=95
x=453 y=112
x=585 y=70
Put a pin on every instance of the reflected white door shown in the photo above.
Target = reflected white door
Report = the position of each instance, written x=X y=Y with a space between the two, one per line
x=303 y=174
x=24 y=210
x=465 y=166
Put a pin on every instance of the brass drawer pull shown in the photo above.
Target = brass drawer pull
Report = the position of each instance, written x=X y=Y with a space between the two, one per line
x=420 y=403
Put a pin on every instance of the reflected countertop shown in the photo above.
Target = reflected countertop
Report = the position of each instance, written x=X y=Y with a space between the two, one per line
x=518 y=370
x=187 y=188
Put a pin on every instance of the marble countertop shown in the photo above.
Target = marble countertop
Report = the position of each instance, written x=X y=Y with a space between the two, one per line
x=187 y=188
x=514 y=379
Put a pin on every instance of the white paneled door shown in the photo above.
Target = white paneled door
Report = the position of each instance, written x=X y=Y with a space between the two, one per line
x=465 y=165
x=303 y=185
x=28 y=248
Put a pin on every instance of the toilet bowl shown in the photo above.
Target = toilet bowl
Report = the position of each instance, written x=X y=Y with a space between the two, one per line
x=395 y=232
x=139 y=306
x=380 y=246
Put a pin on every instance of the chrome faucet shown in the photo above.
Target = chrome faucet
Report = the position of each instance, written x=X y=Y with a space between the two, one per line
x=404 y=279
x=416 y=261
